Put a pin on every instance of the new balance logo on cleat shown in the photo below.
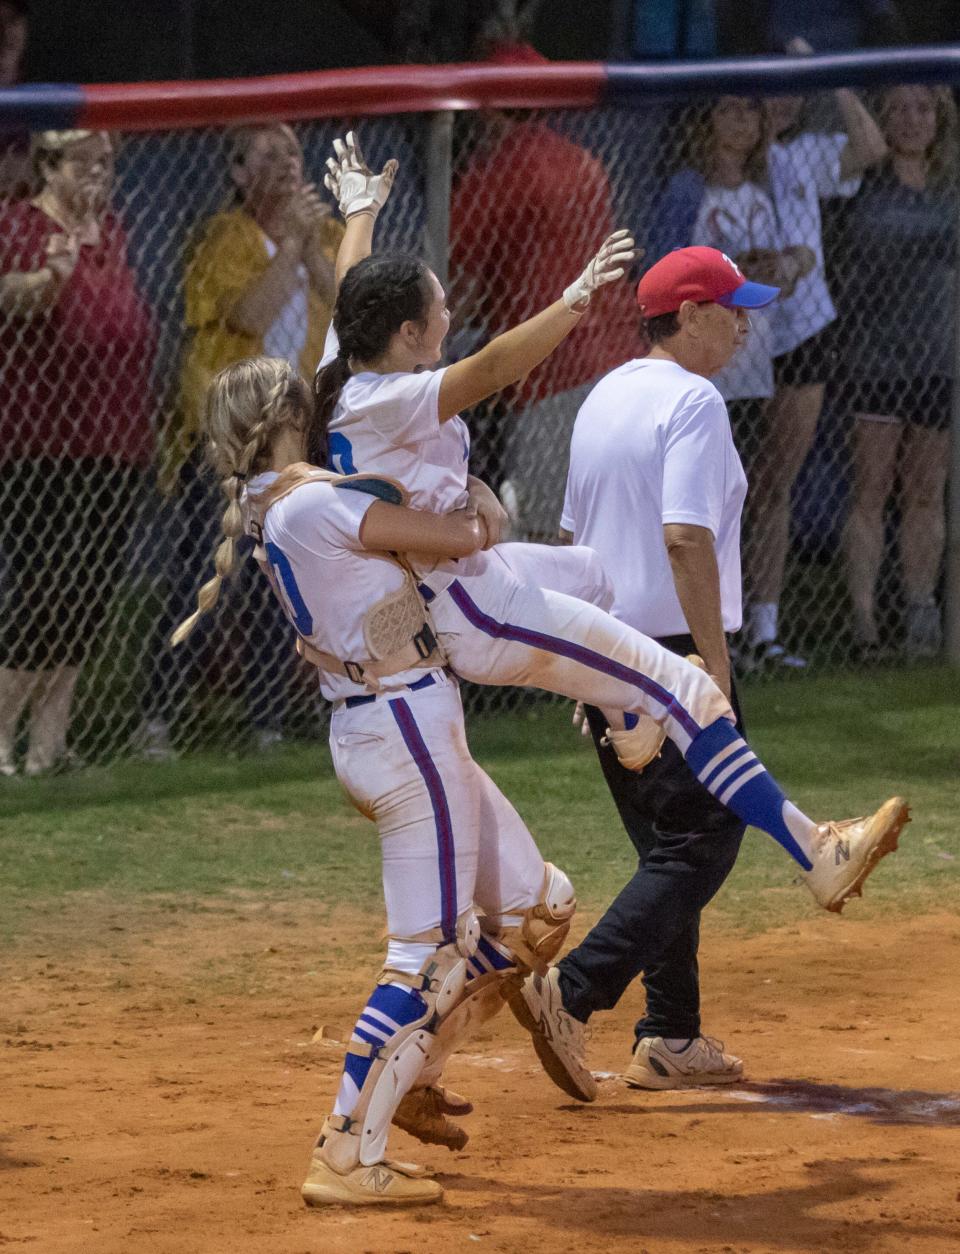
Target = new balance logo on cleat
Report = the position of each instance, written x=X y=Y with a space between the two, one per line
x=845 y=852
x=377 y=1179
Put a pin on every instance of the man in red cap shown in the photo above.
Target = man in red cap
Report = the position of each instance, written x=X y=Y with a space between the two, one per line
x=655 y=486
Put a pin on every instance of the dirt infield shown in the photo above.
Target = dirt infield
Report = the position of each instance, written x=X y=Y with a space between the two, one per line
x=160 y=1093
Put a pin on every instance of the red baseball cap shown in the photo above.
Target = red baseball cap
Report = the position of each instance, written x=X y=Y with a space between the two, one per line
x=699 y=274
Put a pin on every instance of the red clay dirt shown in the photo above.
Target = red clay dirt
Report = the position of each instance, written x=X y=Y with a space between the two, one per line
x=161 y=1093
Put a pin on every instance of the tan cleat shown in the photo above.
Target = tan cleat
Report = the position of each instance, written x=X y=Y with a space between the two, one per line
x=848 y=850
x=387 y=1183
x=558 y=1038
x=423 y=1113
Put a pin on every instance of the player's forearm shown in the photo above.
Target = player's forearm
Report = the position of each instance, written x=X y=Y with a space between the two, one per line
x=357 y=243
x=256 y=310
x=23 y=295
x=865 y=142
x=397 y=528
x=696 y=577
x=505 y=360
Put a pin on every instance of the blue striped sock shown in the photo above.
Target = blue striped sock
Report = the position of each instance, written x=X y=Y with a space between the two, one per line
x=489 y=956
x=729 y=769
x=391 y=1007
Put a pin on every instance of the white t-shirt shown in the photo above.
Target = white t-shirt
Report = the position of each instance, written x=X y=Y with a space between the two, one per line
x=324 y=578
x=736 y=220
x=802 y=172
x=288 y=333
x=652 y=445
x=389 y=424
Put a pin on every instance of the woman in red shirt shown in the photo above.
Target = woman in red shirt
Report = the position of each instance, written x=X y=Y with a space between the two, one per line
x=76 y=346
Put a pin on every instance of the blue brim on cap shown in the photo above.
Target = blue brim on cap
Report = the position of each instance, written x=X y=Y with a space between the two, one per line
x=750 y=296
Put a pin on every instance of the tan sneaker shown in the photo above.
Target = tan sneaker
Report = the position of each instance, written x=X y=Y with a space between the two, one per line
x=423 y=1113
x=848 y=850
x=656 y=1066
x=558 y=1038
x=386 y=1183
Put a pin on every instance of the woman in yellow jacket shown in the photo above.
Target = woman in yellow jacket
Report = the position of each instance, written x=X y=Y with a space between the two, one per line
x=261 y=277
x=259 y=280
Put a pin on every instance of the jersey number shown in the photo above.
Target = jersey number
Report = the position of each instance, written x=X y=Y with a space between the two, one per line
x=286 y=586
x=340 y=454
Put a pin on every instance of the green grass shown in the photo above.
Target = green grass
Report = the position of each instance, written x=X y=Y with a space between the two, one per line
x=212 y=824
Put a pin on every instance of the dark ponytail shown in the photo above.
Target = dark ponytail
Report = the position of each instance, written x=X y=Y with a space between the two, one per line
x=377 y=296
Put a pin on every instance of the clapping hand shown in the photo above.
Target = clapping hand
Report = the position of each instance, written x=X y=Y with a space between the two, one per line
x=62 y=252
x=306 y=213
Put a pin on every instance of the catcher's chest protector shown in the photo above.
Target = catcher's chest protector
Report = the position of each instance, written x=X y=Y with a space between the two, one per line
x=397 y=630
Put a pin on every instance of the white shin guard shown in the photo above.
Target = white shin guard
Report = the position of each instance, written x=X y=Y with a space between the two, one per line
x=360 y=1138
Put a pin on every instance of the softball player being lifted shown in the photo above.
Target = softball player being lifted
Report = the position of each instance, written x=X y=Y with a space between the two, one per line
x=450 y=837
x=500 y=617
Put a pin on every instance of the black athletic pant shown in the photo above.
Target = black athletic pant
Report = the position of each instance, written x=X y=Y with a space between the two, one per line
x=687 y=843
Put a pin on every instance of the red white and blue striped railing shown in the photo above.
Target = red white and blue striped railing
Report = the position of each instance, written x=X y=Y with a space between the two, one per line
x=432 y=88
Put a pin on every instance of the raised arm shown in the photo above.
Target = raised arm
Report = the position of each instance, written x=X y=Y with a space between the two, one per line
x=361 y=195
x=514 y=354
x=865 y=143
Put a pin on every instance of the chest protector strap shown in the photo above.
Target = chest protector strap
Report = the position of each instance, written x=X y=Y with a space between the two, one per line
x=397 y=631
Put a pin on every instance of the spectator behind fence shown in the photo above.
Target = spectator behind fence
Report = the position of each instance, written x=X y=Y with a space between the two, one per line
x=16 y=174
x=804 y=166
x=897 y=246
x=260 y=281
x=76 y=339
x=510 y=207
x=721 y=199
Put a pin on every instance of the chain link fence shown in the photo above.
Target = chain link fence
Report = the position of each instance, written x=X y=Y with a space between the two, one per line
x=841 y=405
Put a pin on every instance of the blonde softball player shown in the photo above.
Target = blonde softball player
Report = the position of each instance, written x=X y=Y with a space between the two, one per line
x=381 y=408
x=449 y=837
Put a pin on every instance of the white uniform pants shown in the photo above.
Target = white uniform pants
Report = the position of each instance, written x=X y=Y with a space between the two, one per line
x=500 y=631
x=449 y=837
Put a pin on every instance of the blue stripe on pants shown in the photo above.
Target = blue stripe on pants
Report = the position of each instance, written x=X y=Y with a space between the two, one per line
x=575 y=652
x=441 y=813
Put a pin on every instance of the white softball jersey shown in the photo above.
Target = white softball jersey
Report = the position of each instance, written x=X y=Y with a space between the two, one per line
x=652 y=445
x=392 y=421
x=325 y=580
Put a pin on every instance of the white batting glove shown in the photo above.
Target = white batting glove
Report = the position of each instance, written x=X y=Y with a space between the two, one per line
x=355 y=186
x=610 y=264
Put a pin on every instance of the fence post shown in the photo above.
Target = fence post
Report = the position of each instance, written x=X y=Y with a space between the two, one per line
x=439 y=184
x=951 y=620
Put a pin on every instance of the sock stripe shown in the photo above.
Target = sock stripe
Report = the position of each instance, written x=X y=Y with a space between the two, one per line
x=378 y=1019
x=732 y=765
x=496 y=959
x=734 y=747
x=737 y=783
x=368 y=1035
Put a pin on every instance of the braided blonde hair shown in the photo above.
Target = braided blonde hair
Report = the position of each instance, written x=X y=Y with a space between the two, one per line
x=248 y=404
